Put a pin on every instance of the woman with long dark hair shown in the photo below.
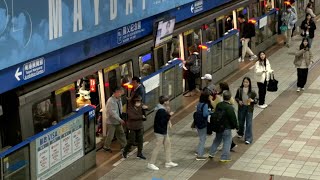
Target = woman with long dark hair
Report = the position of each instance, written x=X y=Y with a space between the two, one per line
x=246 y=98
x=308 y=26
x=262 y=74
x=302 y=60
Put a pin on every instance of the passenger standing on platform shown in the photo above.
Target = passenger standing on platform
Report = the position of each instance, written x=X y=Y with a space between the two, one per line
x=114 y=120
x=230 y=122
x=223 y=86
x=193 y=70
x=309 y=10
x=289 y=18
x=245 y=35
x=302 y=60
x=246 y=98
x=203 y=108
x=209 y=89
x=262 y=75
x=139 y=91
x=135 y=126
x=161 y=124
x=308 y=26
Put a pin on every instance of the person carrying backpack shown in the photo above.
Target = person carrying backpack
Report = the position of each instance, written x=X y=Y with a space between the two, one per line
x=193 y=65
x=230 y=122
x=246 y=98
x=210 y=89
x=247 y=31
x=200 y=121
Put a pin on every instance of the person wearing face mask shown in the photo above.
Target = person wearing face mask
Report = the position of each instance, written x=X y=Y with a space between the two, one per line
x=289 y=18
x=135 y=127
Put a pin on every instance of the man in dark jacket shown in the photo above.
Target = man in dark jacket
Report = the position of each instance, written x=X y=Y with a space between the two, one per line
x=245 y=38
x=230 y=122
x=135 y=127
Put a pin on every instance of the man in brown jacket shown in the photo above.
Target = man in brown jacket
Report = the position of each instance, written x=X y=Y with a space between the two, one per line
x=135 y=126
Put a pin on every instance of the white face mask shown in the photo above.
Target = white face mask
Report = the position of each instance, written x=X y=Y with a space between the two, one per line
x=138 y=104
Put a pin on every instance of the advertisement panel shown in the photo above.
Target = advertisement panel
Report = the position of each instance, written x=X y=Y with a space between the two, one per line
x=59 y=148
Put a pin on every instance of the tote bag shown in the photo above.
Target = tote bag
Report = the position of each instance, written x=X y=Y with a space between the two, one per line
x=273 y=84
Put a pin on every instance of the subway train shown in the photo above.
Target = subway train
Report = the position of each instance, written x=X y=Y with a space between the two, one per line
x=33 y=107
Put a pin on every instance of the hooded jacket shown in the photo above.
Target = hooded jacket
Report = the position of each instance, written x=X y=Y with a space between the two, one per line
x=161 y=120
x=289 y=19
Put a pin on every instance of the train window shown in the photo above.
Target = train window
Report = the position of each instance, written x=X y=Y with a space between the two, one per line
x=66 y=105
x=126 y=72
x=228 y=22
x=261 y=7
x=220 y=26
x=160 y=57
x=43 y=114
x=112 y=75
x=146 y=65
x=192 y=38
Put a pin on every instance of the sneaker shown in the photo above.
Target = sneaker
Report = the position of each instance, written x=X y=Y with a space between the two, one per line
x=196 y=154
x=298 y=89
x=266 y=105
x=232 y=148
x=141 y=156
x=253 y=57
x=225 y=160
x=171 y=164
x=200 y=158
x=247 y=142
x=262 y=106
x=211 y=156
x=240 y=59
x=152 y=167
x=302 y=89
x=124 y=155
x=107 y=149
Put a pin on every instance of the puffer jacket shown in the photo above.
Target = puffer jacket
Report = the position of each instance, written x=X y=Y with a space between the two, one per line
x=260 y=75
x=302 y=55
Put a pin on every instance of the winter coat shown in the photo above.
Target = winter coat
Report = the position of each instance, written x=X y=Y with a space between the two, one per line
x=302 y=55
x=135 y=117
x=304 y=27
x=289 y=19
x=231 y=121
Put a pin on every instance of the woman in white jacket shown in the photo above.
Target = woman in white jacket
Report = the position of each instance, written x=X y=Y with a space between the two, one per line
x=262 y=75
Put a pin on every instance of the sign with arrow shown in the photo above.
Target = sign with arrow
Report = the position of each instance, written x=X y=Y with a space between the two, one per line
x=18 y=74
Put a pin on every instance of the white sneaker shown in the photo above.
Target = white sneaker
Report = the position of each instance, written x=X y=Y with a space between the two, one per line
x=253 y=57
x=152 y=167
x=171 y=164
x=241 y=60
x=266 y=105
x=262 y=106
x=298 y=89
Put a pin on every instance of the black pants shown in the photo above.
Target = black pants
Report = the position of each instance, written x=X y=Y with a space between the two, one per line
x=262 y=92
x=191 y=81
x=302 y=77
x=135 y=136
x=293 y=29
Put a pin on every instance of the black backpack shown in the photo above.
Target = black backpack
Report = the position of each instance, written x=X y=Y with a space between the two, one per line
x=218 y=119
x=252 y=29
x=199 y=121
x=196 y=66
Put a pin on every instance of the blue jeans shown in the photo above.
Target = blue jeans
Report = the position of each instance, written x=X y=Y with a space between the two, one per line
x=245 y=117
x=224 y=136
x=202 y=133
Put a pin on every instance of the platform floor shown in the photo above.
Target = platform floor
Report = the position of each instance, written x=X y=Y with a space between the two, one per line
x=286 y=134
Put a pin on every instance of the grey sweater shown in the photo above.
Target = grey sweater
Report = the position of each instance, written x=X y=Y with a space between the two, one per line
x=114 y=110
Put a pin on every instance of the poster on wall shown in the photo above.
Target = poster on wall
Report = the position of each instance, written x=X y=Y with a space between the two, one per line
x=59 y=148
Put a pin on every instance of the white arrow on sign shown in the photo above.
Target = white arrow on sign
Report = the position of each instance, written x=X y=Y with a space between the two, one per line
x=17 y=74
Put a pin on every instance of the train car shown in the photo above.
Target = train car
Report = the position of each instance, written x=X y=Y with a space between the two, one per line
x=132 y=50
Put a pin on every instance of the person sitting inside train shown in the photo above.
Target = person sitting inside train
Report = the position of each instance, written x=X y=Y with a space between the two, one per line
x=83 y=99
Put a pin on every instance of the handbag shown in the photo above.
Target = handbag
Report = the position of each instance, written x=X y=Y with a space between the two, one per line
x=283 y=28
x=273 y=84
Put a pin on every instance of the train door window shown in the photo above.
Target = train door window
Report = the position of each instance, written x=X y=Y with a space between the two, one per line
x=126 y=73
x=192 y=38
x=159 y=56
x=220 y=24
x=44 y=114
x=112 y=77
x=146 y=65
x=173 y=49
x=66 y=103
x=228 y=22
x=211 y=32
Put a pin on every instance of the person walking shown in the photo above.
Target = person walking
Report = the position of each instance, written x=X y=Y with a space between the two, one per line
x=230 y=122
x=289 y=18
x=246 y=98
x=308 y=26
x=302 y=60
x=309 y=10
x=245 y=35
x=114 y=120
x=294 y=10
x=262 y=76
x=203 y=108
x=161 y=123
x=135 y=127
x=209 y=89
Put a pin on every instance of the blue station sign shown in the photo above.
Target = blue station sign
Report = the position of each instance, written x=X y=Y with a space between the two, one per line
x=34 y=44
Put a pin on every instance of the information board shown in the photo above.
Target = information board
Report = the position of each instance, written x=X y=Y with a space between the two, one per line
x=59 y=148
